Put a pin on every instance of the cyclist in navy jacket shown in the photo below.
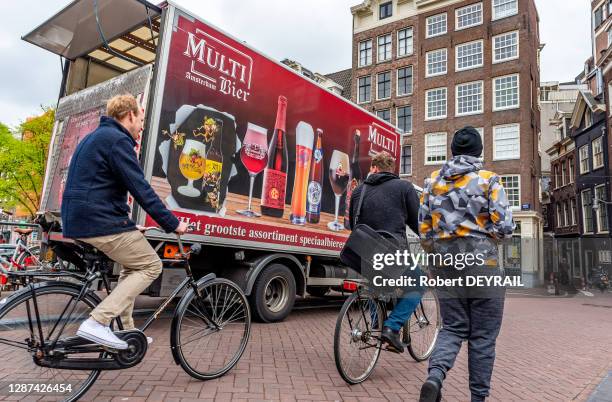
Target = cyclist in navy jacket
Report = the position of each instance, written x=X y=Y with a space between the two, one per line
x=103 y=169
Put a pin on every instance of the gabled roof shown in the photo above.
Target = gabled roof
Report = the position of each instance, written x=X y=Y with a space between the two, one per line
x=343 y=78
x=585 y=99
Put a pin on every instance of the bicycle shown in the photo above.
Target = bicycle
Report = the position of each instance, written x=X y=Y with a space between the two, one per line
x=209 y=331
x=359 y=327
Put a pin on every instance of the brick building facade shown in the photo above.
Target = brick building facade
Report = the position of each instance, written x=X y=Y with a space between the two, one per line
x=468 y=62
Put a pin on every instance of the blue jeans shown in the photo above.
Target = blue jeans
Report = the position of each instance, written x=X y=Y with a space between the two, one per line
x=405 y=305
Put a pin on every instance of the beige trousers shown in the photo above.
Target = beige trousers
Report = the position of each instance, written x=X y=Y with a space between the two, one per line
x=141 y=266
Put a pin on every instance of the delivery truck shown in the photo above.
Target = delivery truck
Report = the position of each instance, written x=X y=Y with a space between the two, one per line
x=260 y=159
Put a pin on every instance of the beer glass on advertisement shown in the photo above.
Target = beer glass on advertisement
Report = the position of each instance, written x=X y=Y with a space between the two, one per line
x=191 y=164
x=338 y=178
x=254 y=157
x=304 y=138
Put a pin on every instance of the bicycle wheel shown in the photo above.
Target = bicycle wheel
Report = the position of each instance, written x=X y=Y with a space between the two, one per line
x=423 y=327
x=210 y=332
x=20 y=376
x=29 y=258
x=357 y=337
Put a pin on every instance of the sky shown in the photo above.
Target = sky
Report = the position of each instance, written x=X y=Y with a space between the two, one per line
x=317 y=33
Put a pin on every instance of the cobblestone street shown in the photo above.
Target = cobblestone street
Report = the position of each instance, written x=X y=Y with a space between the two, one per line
x=548 y=350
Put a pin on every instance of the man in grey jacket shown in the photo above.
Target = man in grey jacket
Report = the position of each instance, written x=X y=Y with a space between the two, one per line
x=464 y=210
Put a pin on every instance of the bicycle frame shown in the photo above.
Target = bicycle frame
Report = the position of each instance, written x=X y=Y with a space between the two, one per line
x=86 y=280
x=382 y=302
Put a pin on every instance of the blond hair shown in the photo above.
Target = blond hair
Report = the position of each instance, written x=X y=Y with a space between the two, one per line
x=120 y=105
x=384 y=162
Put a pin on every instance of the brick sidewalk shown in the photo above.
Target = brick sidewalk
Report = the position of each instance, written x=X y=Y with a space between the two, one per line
x=548 y=350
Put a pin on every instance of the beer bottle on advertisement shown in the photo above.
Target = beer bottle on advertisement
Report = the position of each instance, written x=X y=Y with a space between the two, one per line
x=275 y=174
x=315 y=184
x=355 y=178
x=212 y=173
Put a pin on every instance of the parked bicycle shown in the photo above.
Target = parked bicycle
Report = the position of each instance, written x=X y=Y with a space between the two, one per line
x=357 y=338
x=209 y=332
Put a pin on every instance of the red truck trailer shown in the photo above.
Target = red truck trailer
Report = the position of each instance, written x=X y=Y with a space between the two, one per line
x=260 y=159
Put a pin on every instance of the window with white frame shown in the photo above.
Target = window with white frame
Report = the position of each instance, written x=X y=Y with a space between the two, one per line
x=583 y=154
x=587 y=211
x=469 y=55
x=404 y=81
x=559 y=218
x=435 y=103
x=504 y=8
x=563 y=173
x=437 y=62
x=573 y=211
x=557 y=177
x=506 y=142
x=404 y=118
x=384 y=114
x=383 y=85
x=512 y=186
x=435 y=148
x=468 y=16
x=570 y=163
x=565 y=213
x=469 y=98
x=365 y=53
x=384 y=48
x=436 y=25
x=598 y=153
x=406 y=166
x=365 y=89
x=506 y=92
x=602 y=211
x=405 y=42
x=506 y=47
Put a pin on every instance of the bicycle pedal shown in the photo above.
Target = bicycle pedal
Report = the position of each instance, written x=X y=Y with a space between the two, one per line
x=391 y=348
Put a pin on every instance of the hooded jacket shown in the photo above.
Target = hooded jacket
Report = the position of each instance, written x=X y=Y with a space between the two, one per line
x=389 y=204
x=463 y=201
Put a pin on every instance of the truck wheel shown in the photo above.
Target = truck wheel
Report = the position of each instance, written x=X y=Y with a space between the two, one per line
x=273 y=294
x=318 y=291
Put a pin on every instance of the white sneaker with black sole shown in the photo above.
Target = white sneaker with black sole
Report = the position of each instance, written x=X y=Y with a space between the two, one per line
x=100 y=334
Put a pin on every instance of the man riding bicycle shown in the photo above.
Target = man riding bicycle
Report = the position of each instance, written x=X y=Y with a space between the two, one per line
x=103 y=169
x=389 y=204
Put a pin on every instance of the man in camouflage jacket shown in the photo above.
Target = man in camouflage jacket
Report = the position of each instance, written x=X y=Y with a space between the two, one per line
x=464 y=209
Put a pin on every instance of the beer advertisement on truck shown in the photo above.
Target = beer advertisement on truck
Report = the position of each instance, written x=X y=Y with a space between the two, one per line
x=252 y=153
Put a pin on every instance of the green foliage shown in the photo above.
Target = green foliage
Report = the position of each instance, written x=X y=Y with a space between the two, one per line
x=23 y=156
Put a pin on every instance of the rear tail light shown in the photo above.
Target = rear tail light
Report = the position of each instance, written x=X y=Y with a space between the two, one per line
x=349 y=286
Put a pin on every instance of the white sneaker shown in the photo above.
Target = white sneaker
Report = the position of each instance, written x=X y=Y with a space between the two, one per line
x=95 y=332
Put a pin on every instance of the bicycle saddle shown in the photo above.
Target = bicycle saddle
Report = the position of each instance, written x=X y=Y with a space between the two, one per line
x=86 y=248
x=24 y=231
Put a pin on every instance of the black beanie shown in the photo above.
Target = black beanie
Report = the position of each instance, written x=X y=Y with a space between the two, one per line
x=467 y=141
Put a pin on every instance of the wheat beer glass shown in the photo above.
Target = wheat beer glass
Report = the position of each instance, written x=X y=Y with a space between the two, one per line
x=304 y=139
x=191 y=164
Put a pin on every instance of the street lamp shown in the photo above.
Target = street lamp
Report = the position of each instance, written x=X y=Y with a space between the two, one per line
x=596 y=202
